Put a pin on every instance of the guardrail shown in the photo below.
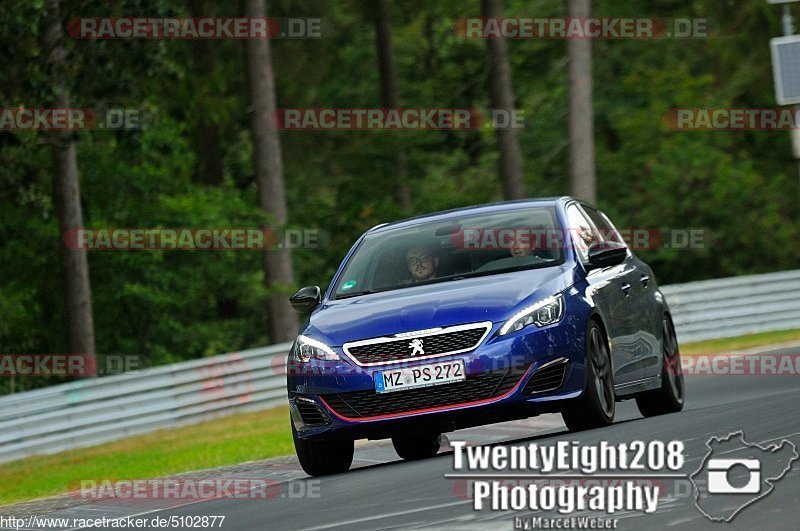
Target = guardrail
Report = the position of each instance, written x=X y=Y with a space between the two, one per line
x=93 y=411
x=97 y=410
x=729 y=307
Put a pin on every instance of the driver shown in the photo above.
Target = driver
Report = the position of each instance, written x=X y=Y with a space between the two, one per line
x=422 y=263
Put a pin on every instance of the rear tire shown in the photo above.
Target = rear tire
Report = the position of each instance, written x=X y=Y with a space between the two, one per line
x=669 y=398
x=414 y=447
x=323 y=457
x=596 y=406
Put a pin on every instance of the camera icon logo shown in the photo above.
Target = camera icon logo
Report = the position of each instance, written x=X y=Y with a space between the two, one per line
x=719 y=471
x=734 y=474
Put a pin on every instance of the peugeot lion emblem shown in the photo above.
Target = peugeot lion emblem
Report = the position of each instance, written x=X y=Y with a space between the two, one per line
x=416 y=347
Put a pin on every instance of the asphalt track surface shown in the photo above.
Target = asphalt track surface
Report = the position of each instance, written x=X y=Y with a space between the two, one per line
x=383 y=492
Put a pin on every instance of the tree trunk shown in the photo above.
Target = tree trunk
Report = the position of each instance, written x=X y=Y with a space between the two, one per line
x=581 y=112
x=278 y=272
x=501 y=95
x=206 y=138
x=67 y=197
x=390 y=98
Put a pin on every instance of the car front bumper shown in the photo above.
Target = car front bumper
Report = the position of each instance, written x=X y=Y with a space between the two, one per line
x=514 y=376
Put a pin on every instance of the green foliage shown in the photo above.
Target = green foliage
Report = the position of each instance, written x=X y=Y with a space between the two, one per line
x=740 y=187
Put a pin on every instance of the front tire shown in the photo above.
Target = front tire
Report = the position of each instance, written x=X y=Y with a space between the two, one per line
x=596 y=406
x=669 y=398
x=323 y=457
x=414 y=447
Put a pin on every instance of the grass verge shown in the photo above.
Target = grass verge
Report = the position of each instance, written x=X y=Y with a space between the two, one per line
x=731 y=344
x=224 y=441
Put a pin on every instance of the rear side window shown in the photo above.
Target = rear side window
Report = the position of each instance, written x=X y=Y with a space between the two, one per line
x=608 y=232
x=582 y=232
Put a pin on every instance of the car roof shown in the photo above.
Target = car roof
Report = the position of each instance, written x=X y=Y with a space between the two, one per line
x=476 y=209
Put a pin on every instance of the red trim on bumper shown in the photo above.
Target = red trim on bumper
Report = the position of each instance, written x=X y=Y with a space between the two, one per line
x=414 y=412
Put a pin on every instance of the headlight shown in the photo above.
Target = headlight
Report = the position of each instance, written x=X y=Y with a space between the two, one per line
x=306 y=348
x=543 y=313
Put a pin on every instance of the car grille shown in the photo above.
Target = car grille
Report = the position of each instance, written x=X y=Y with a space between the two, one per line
x=548 y=378
x=360 y=404
x=311 y=413
x=387 y=350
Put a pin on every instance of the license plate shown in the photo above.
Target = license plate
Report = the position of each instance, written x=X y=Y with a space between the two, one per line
x=444 y=372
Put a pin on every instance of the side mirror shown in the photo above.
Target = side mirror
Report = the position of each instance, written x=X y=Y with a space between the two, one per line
x=306 y=299
x=606 y=254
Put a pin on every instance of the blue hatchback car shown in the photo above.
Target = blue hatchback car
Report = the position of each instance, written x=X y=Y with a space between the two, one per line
x=473 y=316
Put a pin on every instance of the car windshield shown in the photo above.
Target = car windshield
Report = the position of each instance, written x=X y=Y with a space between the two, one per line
x=453 y=249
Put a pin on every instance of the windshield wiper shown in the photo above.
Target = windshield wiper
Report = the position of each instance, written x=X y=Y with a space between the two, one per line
x=355 y=294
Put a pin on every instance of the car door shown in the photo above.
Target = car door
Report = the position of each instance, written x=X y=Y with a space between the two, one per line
x=649 y=325
x=643 y=339
x=609 y=287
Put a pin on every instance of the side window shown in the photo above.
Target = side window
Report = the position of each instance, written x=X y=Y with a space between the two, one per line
x=582 y=232
x=607 y=230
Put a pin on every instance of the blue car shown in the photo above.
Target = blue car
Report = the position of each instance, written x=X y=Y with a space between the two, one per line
x=474 y=316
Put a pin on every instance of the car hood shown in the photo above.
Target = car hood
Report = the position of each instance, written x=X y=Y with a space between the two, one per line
x=488 y=298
